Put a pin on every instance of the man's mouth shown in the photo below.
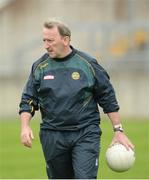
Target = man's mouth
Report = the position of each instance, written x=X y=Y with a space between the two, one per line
x=50 y=51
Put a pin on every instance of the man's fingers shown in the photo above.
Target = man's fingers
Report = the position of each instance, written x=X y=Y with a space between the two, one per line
x=32 y=136
x=26 y=141
x=113 y=142
x=27 y=144
x=127 y=145
x=27 y=137
x=131 y=146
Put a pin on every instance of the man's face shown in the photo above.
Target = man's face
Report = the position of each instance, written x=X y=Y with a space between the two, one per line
x=54 y=43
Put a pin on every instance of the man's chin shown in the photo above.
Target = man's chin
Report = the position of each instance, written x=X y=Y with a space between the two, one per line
x=52 y=55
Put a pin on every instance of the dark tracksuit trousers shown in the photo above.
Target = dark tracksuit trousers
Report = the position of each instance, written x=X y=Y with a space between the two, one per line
x=71 y=155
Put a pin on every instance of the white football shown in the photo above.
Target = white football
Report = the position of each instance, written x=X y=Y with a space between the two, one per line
x=120 y=159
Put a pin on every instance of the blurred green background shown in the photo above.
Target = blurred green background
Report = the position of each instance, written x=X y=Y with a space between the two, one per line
x=116 y=32
x=19 y=162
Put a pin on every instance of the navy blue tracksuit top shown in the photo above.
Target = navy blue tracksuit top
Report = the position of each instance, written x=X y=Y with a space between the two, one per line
x=67 y=91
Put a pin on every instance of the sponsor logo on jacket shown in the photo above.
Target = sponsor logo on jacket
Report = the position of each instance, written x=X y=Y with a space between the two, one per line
x=48 y=77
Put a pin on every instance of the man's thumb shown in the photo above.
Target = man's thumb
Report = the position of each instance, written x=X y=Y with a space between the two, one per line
x=32 y=136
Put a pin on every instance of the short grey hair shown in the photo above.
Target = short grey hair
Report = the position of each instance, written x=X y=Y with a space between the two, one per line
x=62 y=27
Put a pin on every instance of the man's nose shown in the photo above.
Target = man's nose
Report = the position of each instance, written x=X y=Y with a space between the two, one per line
x=46 y=45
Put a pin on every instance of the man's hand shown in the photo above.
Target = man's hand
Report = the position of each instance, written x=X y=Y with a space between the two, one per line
x=26 y=132
x=120 y=137
x=27 y=136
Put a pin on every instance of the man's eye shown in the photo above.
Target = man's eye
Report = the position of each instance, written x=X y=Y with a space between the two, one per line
x=48 y=40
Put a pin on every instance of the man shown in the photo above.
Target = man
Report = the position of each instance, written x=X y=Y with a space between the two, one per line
x=67 y=85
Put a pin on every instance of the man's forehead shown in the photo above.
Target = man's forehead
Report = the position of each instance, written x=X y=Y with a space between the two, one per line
x=53 y=30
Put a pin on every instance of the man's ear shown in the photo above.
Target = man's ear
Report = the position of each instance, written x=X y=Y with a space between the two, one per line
x=66 y=40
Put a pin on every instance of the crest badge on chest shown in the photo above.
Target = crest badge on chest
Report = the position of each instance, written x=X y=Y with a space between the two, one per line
x=75 y=75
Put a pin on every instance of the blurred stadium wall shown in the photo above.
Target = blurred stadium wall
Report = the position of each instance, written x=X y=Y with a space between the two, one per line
x=116 y=32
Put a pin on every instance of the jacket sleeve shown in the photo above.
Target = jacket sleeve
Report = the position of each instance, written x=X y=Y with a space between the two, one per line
x=29 y=100
x=104 y=91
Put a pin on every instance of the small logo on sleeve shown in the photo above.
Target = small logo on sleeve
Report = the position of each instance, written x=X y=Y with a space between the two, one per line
x=48 y=77
x=75 y=75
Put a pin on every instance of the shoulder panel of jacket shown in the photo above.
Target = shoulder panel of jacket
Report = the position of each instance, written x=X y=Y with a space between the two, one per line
x=87 y=58
x=40 y=63
x=104 y=91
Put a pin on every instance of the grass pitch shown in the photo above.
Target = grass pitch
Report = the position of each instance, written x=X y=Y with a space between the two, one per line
x=18 y=162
